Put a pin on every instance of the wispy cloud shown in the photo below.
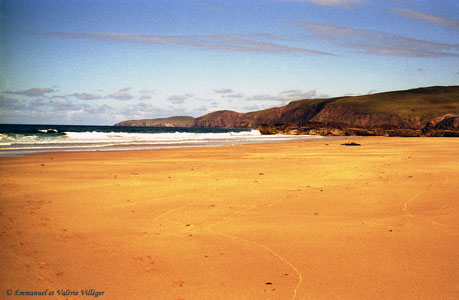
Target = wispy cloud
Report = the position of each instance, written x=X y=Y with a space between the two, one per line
x=328 y=2
x=234 y=95
x=292 y=95
x=60 y=109
x=287 y=96
x=147 y=91
x=179 y=99
x=144 y=96
x=86 y=96
x=145 y=111
x=34 y=92
x=228 y=93
x=62 y=105
x=377 y=42
x=121 y=95
x=223 y=91
x=8 y=103
x=252 y=43
x=445 y=22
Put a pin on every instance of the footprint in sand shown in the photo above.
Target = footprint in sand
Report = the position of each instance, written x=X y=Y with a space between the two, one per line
x=179 y=283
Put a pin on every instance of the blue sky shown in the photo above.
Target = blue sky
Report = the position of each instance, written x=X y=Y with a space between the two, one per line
x=100 y=62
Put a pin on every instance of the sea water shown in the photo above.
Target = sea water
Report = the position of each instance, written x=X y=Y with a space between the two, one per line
x=18 y=140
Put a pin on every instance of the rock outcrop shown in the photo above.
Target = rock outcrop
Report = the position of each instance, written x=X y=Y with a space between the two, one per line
x=336 y=130
x=447 y=125
x=444 y=126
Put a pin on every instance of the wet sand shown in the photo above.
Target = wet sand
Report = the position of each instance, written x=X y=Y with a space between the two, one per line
x=304 y=220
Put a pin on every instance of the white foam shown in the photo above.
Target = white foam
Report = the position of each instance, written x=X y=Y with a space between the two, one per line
x=48 y=130
x=99 y=140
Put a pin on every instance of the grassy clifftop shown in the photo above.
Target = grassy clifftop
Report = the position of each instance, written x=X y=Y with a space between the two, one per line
x=425 y=103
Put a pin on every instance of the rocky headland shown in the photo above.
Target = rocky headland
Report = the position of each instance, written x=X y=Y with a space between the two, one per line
x=179 y=121
x=430 y=111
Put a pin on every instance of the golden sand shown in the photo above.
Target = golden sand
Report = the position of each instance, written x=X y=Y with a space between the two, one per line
x=304 y=220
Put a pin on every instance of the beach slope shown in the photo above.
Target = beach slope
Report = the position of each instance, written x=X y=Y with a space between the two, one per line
x=303 y=220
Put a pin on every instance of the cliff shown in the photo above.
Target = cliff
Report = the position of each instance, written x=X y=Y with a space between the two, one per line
x=297 y=112
x=221 y=119
x=430 y=111
x=410 y=109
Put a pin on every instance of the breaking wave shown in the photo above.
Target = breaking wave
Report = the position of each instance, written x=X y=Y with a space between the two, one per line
x=41 y=138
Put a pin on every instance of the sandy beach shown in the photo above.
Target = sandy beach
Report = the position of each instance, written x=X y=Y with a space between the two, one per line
x=303 y=220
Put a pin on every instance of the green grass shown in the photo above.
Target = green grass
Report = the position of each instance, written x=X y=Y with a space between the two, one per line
x=423 y=102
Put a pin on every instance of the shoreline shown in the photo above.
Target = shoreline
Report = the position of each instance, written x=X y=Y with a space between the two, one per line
x=133 y=147
x=288 y=220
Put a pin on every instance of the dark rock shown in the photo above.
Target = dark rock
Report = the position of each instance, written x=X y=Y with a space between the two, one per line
x=351 y=144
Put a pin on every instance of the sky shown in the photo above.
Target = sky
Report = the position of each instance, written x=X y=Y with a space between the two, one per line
x=99 y=62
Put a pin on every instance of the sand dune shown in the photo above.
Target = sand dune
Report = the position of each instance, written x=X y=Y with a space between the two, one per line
x=304 y=220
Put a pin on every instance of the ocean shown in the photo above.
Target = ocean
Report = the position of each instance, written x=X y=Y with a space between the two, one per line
x=17 y=140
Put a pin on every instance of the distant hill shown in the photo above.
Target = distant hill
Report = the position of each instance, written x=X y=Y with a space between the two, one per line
x=179 y=121
x=413 y=112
